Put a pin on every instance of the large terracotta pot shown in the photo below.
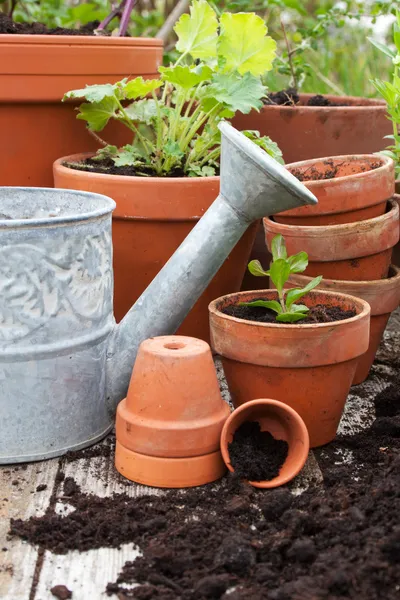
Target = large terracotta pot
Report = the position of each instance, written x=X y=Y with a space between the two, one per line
x=396 y=251
x=304 y=132
x=359 y=251
x=152 y=218
x=357 y=188
x=35 y=72
x=168 y=427
x=382 y=295
x=310 y=367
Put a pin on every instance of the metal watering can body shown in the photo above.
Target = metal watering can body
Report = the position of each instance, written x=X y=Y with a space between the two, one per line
x=64 y=363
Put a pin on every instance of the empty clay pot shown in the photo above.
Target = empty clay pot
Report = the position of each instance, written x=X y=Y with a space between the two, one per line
x=348 y=188
x=359 y=251
x=304 y=132
x=169 y=425
x=283 y=423
x=310 y=367
x=382 y=295
x=152 y=218
x=35 y=73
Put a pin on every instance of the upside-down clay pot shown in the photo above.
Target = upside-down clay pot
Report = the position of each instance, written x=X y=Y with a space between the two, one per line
x=169 y=426
x=35 y=73
x=348 y=189
x=382 y=295
x=310 y=367
x=283 y=423
x=359 y=251
x=304 y=132
x=152 y=218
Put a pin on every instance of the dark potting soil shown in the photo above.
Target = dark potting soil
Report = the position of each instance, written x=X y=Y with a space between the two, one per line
x=256 y=455
x=290 y=97
x=317 y=314
x=61 y=592
x=7 y=25
x=107 y=167
x=331 y=171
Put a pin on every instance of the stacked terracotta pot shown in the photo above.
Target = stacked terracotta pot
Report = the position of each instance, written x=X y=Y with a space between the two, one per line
x=349 y=236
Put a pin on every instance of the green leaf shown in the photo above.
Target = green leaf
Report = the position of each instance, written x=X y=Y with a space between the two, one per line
x=296 y=293
x=144 y=111
x=279 y=273
x=185 y=76
x=98 y=114
x=93 y=93
x=256 y=269
x=106 y=152
x=271 y=304
x=244 y=45
x=128 y=156
x=278 y=248
x=206 y=171
x=383 y=48
x=172 y=149
x=198 y=32
x=266 y=144
x=298 y=262
x=140 y=88
x=235 y=92
x=299 y=308
x=290 y=317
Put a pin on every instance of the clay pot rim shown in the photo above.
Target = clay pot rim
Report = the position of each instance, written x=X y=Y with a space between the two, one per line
x=76 y=40
x=341 y=229
x=279 y=480
x=119 y=179
x=392 y=281
x=387 y=164
x=362 y=305
x=368 y=104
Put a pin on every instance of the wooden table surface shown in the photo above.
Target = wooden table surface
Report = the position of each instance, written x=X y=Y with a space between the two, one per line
x=28 y=574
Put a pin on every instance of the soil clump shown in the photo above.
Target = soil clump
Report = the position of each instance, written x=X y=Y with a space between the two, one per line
x=317 y=314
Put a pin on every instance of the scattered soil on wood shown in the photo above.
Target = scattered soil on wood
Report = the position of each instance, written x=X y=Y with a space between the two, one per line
x=229 y=541
x=7 y=25
x=317 y=314
x=61 y=592
x=290 y=97
x=256 y=455
x=107 y=167
x=330 y=170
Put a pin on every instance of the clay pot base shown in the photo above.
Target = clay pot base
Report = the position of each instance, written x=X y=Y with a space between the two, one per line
x=168 y=472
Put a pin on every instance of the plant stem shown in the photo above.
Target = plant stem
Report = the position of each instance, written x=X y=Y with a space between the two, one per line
x=116 y=12
x=126 y=15
x=292 y=69
x=135 y=130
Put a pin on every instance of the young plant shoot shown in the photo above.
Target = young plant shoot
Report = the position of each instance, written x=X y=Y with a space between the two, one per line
x=390 y=91
x=281 y=268
x=174 y=119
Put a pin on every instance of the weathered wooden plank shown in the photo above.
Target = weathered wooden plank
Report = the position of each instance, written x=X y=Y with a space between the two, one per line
x=19 y=498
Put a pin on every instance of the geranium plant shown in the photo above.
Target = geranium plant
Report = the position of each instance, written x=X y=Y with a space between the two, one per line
x=174 y=120
x=281 y=268
x=390 y=91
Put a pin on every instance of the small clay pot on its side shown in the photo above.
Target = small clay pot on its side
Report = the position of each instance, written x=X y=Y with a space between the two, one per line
x=310 y=367
x=283 y=423
x=359 y=251
x=348 y=189
x=382 y=295
x=168 y=427
x=303 y=132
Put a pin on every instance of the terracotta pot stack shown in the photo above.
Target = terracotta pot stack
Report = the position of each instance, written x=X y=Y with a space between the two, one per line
x=349 y=236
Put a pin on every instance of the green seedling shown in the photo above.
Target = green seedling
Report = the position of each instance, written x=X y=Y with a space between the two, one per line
x=174 y=120
x=281 y=268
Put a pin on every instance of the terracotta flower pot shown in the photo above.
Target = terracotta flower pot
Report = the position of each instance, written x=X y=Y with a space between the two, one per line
x=283 y=423
x=358 y=189
x=168 y=428
x=359 y=251
x=152 y=218
x=382 y=295
x=310 y=367
x=396 y=251
x=35 y=72
x=304 y=132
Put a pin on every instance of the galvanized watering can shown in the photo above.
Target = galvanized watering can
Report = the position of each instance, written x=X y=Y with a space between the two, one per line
x=64 y=363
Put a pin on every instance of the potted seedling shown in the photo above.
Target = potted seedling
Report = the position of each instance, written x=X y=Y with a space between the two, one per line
x=390 y=91
x=37 y=67
x=304 y=355
x=164 y=180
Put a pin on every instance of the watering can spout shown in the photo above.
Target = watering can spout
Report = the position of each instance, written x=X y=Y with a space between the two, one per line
x=253 y=185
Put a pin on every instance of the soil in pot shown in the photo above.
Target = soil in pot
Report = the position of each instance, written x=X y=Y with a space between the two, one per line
x=290 y=97
x=256 y=455
x=317 y=314
x=330 y=169
x=8 y=26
